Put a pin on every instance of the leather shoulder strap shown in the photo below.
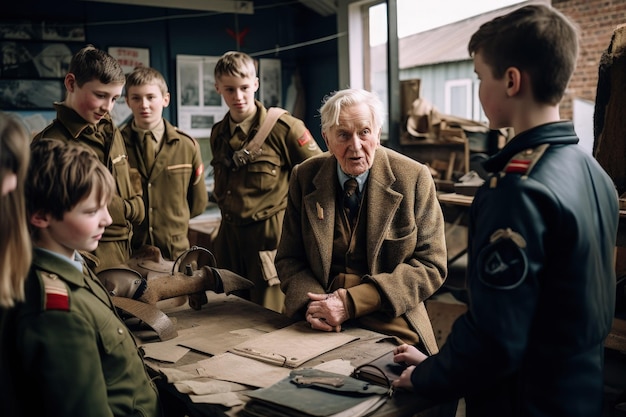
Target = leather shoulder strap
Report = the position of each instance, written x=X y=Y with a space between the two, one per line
x=149 y=315
x=273 y=114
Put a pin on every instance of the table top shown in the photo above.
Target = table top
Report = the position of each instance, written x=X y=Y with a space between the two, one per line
x=456 y=199
x=466 y=200
x=224 y=321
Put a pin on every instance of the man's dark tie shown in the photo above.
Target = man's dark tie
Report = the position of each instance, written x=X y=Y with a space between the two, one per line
x=149 y=150
x=351 y=199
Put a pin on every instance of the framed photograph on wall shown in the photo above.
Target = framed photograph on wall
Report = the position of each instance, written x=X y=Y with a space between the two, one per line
x=33 y=60
x=62 y=31
x=42 y=30
x=270 y=78
x=30 y=94
x=129 y=58
x=199 y=106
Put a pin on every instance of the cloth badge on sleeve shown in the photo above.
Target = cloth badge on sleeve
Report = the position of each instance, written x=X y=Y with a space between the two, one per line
x=56 y=296
x=199 y=170
x=503 y=264
x=306 y=138
x=198 y=174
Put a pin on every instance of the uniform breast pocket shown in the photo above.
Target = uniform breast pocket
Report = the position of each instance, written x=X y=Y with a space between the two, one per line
x=117 y=346
x=180 y=173
x=263 y=172
x=121 y=173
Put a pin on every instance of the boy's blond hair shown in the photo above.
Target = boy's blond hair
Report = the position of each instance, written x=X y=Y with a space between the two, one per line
x=15 y=247
x=235 y=64
x=61 y=175
x=146 y=75
x=537 y=39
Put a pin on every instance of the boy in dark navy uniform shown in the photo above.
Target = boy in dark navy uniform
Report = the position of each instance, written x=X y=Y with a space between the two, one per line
x=542 y=236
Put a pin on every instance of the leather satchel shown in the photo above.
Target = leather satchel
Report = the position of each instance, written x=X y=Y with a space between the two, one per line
x=316 y=393
x=381 y=371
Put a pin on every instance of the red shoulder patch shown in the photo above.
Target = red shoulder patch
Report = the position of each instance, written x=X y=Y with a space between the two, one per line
x=524 y=161
x=199 y=170
x=56 y=296
x=519 y=166
x=305 y=138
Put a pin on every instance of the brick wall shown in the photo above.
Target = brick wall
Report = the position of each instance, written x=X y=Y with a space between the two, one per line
x=596 y=19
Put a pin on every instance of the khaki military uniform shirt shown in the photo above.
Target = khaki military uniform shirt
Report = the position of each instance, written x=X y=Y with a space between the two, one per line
x=126 y=207
x=173 y=190
x=258 y=190
x=252 y=198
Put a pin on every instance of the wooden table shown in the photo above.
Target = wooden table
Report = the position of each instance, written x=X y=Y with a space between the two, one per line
x=455 y=199
x=225 y=314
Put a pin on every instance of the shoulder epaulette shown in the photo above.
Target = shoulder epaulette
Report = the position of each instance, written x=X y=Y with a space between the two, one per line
x=55 y=296
x=182 y=133
x=523 y=162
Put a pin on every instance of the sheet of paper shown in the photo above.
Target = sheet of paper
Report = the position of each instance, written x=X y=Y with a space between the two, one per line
x=167 y=351
x=291 y=346
x=227 y=399
x=338 y=366
x=205 y=386
x=214 y=344
x=242 y=370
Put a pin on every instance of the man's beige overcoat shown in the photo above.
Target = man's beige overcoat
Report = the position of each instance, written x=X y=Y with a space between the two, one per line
x=406 y=249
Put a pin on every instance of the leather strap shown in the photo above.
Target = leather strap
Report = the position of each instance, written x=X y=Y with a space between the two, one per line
x=149 y=314
x=273 y=114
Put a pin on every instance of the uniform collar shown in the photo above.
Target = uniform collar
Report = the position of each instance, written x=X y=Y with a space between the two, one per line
x=52 y=262
x=556 y=133
x=245 y=125
x=74 y=123
x=157 y=132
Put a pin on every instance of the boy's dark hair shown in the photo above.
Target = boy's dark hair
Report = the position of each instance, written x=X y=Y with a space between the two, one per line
x=61 y=175
x=236 y=64
x=537 y=39
x=146 y=75
x=91 y=63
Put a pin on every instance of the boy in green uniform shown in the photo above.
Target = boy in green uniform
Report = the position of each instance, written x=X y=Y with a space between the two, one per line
x=252 y=194
x=94 y=82
x=72 y=353
x=169 y=164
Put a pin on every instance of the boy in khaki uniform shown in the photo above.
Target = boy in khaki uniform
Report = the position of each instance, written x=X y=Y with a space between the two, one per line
x=94 y=82
x=252 y=197
x=172 y=172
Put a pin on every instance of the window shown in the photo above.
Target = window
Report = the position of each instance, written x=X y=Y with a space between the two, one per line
x=458 y=98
